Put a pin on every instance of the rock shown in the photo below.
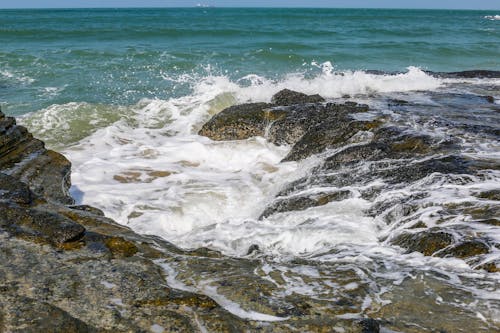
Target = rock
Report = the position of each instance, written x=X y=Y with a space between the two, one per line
x=474 y=74
x=414 y=171
x=287 y=125
x=39 y=225
x=15 y=191
x=281 y=205
x=254 y=248
x=490 y=195
x=31 y=315
x=369 y=325
x=465 y=249
x=46 y=172
x=88 y=209
x=238 y=122
x=121 y=247
x=328 y=135
x=289 y=97
x=490 y=267
x=426 y=242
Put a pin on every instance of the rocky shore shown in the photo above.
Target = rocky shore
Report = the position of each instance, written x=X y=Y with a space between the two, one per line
x=67 y=268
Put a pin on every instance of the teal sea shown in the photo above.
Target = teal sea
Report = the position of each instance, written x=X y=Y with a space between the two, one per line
x=119 y=56
x=338 y=234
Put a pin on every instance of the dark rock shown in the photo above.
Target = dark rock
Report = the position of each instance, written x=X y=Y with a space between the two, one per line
x=121 y=247
x=287 y=125
x=474 y=74
x=46 y=172
x=328 y=135
x=398 y=102
x=490 y=99
x=490 y=195
x=254 y=248
x=89 y=209
x=239 y=122
x=426 y=242
x=490 y=267
x=303 y=202
x=492 y=221
x=14 y=190
x=289 y=97
x=39 y=225
x=465 y=249
x=369 y=325
x=32 y=316
x=415 y=171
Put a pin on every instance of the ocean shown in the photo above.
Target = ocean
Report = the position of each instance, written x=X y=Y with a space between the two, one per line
x=122 y=93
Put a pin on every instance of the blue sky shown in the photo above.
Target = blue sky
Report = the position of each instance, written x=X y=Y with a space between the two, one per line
x=452 y=4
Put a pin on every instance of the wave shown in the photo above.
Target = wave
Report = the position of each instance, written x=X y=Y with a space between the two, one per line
x=17 y=77
x=61 y=125
x=492 y=17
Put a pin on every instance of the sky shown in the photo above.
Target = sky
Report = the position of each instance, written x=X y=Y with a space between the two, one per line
x=449 y=4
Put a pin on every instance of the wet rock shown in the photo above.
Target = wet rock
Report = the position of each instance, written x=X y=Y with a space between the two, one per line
x=490 y=195
x=254 y=248
x=473 y=74
x=289 y=97
x=369 y=325
x=46 y=172
x=328 y=134
x=397 y=102
x=15 y=191
x=238 y=122
x=490 y=267
x=121 y=247
x=426 y=242
x=89 y=209
x=492 y=221
x=39 y=225
x=465 y=249
x=281 y=205
x=320 y=126
x=32 y=316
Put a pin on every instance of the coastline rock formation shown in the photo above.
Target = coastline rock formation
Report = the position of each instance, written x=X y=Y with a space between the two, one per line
x=360 y=150
x=66 y=268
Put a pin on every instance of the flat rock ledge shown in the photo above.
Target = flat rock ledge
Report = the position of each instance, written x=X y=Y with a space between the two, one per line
x=66 y=268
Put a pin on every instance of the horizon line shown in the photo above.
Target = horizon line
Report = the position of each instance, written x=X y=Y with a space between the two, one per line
x=242 y=7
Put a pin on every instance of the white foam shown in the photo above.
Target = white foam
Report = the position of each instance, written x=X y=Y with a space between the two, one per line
x=492 y=17
x=331 y=84
x=18 y=77
x=146 y=167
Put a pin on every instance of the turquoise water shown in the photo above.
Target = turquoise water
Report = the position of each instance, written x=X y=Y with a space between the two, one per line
x=119 y=56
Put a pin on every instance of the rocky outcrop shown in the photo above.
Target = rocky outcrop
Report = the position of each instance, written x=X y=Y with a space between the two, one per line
x=359 y=149
x=290 y=97
x=46 y=172
x=66 y=268
x=310 y=127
